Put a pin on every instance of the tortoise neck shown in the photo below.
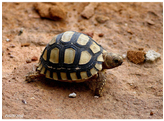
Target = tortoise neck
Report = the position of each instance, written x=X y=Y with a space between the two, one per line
x=104 y=64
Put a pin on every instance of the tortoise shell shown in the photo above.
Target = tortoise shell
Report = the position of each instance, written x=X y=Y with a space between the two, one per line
x=71 y=56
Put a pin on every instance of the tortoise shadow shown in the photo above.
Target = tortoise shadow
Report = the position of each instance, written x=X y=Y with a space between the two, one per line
x=49 y=84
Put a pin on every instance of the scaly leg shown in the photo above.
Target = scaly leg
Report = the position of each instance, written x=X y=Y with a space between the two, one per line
x=100 y=83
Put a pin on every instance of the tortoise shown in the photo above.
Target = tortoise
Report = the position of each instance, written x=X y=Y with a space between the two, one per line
x=75 y=57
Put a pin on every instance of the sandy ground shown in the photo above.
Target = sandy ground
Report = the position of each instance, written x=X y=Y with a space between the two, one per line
x=132 y=91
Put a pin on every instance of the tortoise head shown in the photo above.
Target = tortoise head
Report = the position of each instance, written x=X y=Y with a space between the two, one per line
x=111 y=60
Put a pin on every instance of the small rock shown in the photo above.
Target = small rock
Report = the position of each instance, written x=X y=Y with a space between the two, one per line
x=32 y=98
x=25 y=44
x=129 y=31
x=101 y=19
x=12 y=46
x=42 y=9
x=89 y=10
x=11 y=56
x=81 y=28
x=151 y=113
x=51 y=11
x=150 y=22
x=124 y=56
x=151 y=55
x=34 y=58
x=21 y=31
x=136 y=57
x=8 y=40
x=24 y=101
x=72 y=95
x=28 y=61
x=101 y=35
x=13 y=78
x=7 y=48
x=57 y=12
x=96 y=96
x=9 y=53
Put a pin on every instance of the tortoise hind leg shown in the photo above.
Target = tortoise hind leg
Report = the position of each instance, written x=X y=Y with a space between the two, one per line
x=32 y=76
x=100 y=82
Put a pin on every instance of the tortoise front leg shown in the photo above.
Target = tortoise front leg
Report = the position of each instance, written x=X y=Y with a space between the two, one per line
x=100 y=82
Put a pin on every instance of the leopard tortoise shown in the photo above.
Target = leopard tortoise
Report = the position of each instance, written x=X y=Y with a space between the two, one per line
x=75 y=57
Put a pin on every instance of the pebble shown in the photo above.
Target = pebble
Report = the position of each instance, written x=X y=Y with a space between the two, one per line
x=124 y=56
x=72 y=95
x=54 y=12
x=151 y=113
x=151 y=55
x=12 y=46
x=25 y=44
x=34 y=58
x=101 y=35
x=150 y=22
x=21 y=31
x=8 y=40
x=32 y=98
x=57 y=12
x=28 y=61
x=96 y=96
x=7 y=48
x=136 y=57
x=89 y=10
x=11 y=56
x=24 y=101
x=101 y=19
x=9 y=53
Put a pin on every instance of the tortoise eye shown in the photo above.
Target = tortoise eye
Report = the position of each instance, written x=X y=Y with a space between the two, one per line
x=115 y=61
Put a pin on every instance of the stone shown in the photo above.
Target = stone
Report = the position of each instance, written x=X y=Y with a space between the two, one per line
x=72 y=95
x=101 y=35
x=25 y=44
x=136 y=57
x=151 y=55
x=57 y=12
x=50 y=11
x=12 y=45
x=42 y=9
x=8 y=40
x=101 y=19
x=11 y=56
x=28 y=61
x=24 y=101
x=34 y=58
x=89 y=10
